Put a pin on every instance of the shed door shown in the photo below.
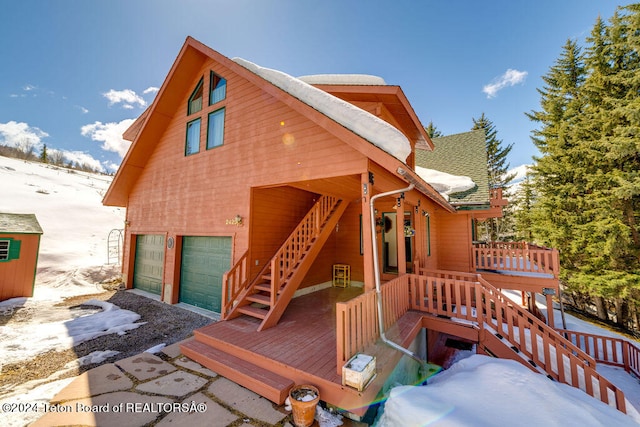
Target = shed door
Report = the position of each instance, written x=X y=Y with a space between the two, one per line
x=204 y=261
x=149 y=263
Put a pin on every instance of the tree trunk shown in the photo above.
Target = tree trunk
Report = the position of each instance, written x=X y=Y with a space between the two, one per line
x=622 y=313
x=601 y=308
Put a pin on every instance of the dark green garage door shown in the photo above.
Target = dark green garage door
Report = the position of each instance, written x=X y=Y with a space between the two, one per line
x=149 y=263
x=204 y=261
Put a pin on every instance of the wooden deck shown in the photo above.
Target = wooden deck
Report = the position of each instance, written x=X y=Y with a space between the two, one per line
x=301 y=348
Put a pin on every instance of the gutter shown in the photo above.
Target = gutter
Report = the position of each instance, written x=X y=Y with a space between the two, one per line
x=376 y=274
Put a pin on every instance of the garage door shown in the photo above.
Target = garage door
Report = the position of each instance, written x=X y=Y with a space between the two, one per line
x=149 y=263
x=204 y=261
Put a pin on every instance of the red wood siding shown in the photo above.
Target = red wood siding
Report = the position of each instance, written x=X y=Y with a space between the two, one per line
x=265 y=143
x=275 y=213
x=17 y=276
x=454 y=242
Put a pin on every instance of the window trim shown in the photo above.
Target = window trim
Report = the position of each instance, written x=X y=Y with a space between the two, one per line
x=199 y=87
x=12 y=250
x=222 y=89
x=186 y=143
x=215 y=112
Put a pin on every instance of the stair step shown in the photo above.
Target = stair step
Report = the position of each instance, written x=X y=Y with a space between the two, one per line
x=259 y=380
x=260 y=299
x=252 y=311
x=263 y=287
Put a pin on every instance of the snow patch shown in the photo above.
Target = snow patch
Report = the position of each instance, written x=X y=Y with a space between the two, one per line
x=445 y=183
x=343 y=79
x=368 y=126
x=63 y=334
x=502 y=391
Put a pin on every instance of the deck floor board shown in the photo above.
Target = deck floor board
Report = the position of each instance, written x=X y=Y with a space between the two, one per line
x=304 y=338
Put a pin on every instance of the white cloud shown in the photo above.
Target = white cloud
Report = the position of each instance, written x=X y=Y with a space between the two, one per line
x=509 y=78
x=29 y=88
x=110 y=134
x=82 y=158
x=128 y=98
x=151 y=89
x=16 y=134
x=82 y=109
x=78 y=157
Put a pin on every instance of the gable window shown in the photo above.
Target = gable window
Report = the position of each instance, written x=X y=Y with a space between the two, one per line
x=9 y=249
x=218 y=87
x=215 y=130
x=195 y=100
x=193 y=137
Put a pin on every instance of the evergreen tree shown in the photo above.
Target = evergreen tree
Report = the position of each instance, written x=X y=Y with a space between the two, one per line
x=44 y=158
x=587 y=177
x=497 y=171
x=432 y=131
x=559 y=173
x=610 y=131
x=523 y=203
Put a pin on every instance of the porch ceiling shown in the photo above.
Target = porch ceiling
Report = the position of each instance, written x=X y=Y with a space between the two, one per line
x=344 y=187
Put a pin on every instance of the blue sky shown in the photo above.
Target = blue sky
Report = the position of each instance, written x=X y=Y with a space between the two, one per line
x=75 y=73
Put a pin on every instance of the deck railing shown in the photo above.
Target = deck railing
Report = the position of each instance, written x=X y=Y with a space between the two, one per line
x=495 y=197
x=608 y=350
x=519 y=257
x=233 y=282
x=471 y=298
x=357 y=319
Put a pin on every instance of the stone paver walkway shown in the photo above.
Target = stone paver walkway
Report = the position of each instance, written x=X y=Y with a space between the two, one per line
x=145 y=390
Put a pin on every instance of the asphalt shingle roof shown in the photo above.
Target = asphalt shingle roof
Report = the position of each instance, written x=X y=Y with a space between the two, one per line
x=19 y=223
x=463 y=154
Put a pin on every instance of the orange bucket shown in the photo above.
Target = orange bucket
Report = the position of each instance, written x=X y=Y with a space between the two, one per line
x=304 y=399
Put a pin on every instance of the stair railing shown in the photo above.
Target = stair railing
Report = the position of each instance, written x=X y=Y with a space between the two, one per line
x=481 y=302
x=294 y=248
x=233 y=282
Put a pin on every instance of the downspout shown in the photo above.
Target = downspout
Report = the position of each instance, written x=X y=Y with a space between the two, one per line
x=376 y=274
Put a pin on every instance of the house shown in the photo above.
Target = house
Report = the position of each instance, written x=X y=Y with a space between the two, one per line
x=292 y=207
x=19 y=245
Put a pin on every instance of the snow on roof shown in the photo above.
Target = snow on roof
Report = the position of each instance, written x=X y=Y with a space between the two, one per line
x=368 y=126
x=343 y=79
x=445 y=183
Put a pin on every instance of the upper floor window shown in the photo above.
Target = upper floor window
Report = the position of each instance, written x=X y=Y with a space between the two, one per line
x=195 y=100
x=218 y=89
x=193 y=137
x=215 y=131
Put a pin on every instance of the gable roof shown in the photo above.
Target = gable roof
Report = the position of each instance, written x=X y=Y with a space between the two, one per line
x=462 y=154
x=149 y=127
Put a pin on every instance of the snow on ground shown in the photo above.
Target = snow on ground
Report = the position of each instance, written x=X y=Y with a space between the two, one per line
x=71 y=262
x=482 y=391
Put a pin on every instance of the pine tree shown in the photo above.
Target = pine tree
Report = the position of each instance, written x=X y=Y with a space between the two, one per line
x=587 y=177
x=44 y=158
x=497 y=171
x=432 y=131
x=610 y=130
x=558 y=174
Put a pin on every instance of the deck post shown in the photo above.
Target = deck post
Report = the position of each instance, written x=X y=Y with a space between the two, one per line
x=550 y=316
x=367 y=244
x=401 y=252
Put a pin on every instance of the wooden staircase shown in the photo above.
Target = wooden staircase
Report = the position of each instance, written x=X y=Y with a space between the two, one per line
x=268 y=295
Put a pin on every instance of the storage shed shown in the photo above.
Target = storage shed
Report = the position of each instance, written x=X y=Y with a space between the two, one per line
x=19 y=245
